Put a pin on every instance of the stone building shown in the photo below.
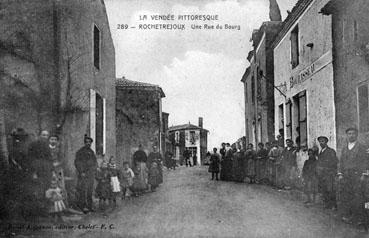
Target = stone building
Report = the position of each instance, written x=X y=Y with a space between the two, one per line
x=350 y=64
x=258 y=83
x=138 y=117
x=189 y=137
x=303 y=65
x=165 y=142
x=57 y=69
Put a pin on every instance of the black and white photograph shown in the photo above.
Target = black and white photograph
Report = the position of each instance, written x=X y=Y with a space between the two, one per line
x=184 y=118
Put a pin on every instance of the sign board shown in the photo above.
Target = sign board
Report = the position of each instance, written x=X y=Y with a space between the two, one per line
x=306 y=73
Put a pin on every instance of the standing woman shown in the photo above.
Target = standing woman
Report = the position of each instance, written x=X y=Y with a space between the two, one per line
x=140 y=171
x=251 y=162
x=238 y=162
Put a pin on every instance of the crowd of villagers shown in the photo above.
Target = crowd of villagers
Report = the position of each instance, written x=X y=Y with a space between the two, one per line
x=342 y=183
x=36 y=185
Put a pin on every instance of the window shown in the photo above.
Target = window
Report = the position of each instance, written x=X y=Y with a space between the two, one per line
x=355 y=31
x=99 y=125
x=259 y=84
x=96 y=47
x=363 y=107
x=253 y=89
x=295 y=47
x=301 y=127
x=288 y=119
x=281 y=119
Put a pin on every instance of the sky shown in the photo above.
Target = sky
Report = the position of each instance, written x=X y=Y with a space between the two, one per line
x=198 y=69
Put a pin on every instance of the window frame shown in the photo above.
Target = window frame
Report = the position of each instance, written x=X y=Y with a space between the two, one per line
x=295 y=62
x=97 y=67
x=365 y=83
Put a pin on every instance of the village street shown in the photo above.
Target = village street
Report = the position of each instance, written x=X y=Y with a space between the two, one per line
x=189 y=204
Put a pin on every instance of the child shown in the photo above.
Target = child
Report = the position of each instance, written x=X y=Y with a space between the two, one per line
x=114 y=180
x=309 y=174
x=103 y=189
x=127 y=180
x=55 y=196
x=154 y=176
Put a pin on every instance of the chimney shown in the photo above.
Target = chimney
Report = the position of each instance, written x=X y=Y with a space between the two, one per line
x=200 y=122
x=274 y=11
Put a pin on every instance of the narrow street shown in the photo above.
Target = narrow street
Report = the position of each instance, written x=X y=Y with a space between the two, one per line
x=189 y=204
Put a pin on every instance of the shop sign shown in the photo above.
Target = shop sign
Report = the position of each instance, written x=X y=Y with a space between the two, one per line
x=306 y=73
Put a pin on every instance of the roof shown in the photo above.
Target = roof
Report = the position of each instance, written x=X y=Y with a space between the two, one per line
x=292 y=17
x=187 y=126
x=130 y=84
x=331 y=6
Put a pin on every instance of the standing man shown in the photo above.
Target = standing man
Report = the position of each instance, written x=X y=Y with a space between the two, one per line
x=186 y=155
x=353 y=164
x=289 y=163
x=86 y=165
x=214 y=164
x=155 y=156
x=194 y=158
x=327 y=169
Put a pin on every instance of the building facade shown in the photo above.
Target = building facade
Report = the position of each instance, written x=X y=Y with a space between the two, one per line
x=165 y=143
x=303 y=69
x=57 y=73
x=189 y=137
x=350 y=63
x=138 y=118
x=258 y=82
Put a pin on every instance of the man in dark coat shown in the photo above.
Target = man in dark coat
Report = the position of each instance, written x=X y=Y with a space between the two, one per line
x=327 y=169
x=86 y=165
x=186 y=155
x=40 y=158
x=214 y=164
x=289 y=163
x=155 y=156
x=353 y=164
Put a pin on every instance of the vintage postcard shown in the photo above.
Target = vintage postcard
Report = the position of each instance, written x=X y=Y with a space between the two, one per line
x=184 y=118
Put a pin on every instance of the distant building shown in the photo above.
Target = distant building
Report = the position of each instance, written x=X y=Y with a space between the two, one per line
x=189 y=137
x=351 y=66
x=138 y=117
x=57 y=63
x=258 y=83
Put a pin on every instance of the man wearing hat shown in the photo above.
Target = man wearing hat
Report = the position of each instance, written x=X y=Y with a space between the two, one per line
x=86 y=165
x=327 y=168
x=353 y=165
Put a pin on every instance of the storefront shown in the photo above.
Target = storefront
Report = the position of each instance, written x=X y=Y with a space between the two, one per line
x=304 y=74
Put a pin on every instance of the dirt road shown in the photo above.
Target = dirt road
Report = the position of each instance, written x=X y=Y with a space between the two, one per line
x=189 y=204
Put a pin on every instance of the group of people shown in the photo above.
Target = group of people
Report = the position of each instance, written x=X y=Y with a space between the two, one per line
x=37 y=173
x=37 y=176
x=145 y=175
x=342 y=182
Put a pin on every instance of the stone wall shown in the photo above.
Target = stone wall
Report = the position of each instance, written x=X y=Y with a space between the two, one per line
x=47 y=69
x=351 y=60
x=138 y=121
